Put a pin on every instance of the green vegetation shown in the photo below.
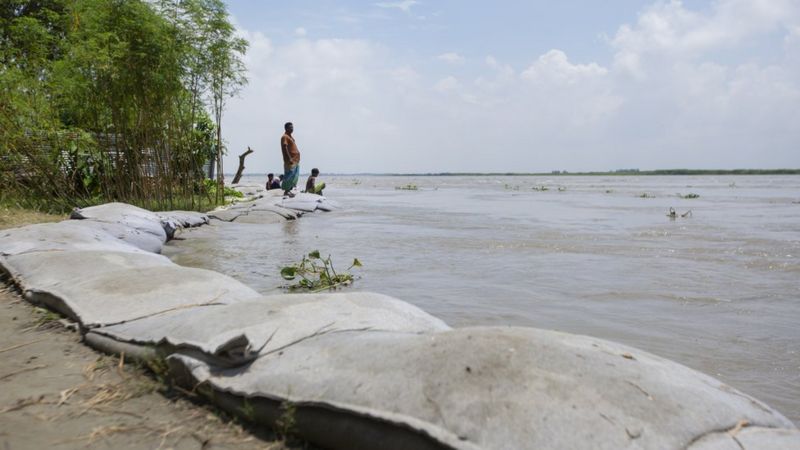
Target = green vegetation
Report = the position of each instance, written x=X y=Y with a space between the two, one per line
x=287 y=421
x=317 y=274
x=211 y=187
x=45 y=318
x=105 y=100
x=689 y=195
x=646 y=195
x=408 y=187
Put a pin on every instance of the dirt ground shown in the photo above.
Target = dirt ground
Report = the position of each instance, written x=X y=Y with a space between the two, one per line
x=57 y=393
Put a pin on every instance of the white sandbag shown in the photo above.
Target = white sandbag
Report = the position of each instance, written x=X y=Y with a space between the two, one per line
x=236 y=333
x=749 y=438
x=487 y=388
x=75 y=235
x=227 y=215
x=186 y=219
x=116 y=296
x=250 y=189
x=325 y=206
x=43 y=270
x=143 y=240
x=255 y=212
x=284 y=212
x=260 y=217
x=308 y=202
x=298 y=204
x=128 y=215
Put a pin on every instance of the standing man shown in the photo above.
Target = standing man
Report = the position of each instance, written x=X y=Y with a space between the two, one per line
x=291 y=160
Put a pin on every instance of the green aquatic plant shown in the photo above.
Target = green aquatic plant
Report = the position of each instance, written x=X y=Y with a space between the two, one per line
x=317 y=274
x=689 y=195
x=541 y=188
x=562 y=189
x=646 y=195
x=407 y=187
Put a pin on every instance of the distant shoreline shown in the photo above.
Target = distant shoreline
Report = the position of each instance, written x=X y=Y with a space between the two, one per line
x=564 y=173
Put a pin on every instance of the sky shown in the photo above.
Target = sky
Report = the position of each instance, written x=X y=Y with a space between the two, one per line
x=427 y=86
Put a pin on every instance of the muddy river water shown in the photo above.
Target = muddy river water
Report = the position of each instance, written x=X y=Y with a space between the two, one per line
x=718 y=290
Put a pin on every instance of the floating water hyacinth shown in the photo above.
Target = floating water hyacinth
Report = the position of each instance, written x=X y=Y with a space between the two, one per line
x=317 y=274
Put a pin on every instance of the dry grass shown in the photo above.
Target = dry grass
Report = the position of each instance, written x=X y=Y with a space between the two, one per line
x=11 y=217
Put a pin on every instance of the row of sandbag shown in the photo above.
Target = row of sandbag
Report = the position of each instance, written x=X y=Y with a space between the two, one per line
x=271 y=206
x=364 y=370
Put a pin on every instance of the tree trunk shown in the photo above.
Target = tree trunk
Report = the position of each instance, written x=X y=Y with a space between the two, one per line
x=241 y=165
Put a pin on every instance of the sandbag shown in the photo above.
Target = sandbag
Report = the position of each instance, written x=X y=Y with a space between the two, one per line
x=75 y=235
x=236 y=333
x=323 y=204
x=284 y=212
x=299 y=204
x=749 y=438
x=255 y=212
x=116 y=296
x=227 y=215
x=249 y=190
x=128 y=215
x=307 y=202
x=260 y=217
x=43 y=270
x=186 y=219
x=486 y=387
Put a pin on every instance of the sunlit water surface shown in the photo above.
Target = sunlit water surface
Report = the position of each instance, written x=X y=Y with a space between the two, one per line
x=718 y=291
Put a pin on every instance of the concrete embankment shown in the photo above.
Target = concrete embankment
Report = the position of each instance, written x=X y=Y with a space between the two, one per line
x=363 y=370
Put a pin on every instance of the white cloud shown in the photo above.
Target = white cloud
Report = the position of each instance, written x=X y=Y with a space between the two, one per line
x=669 y=30
x=403 y=5
x=451 y=58
x=358 y=106
x=300 y=32
x=449 y=83
x=555 y=66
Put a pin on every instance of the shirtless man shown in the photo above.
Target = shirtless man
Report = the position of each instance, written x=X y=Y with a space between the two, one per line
x=311 y=185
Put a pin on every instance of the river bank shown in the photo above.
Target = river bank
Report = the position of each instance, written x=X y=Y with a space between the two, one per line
x=55 y=392
x=308 y=361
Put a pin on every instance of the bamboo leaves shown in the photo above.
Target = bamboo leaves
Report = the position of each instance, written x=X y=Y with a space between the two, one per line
x=135 y=80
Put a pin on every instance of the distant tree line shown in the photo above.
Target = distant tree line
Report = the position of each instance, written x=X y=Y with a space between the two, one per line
x=121 y=100
x=622 y=172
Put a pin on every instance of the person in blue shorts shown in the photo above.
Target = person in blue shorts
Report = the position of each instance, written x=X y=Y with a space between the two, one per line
x=291 y=160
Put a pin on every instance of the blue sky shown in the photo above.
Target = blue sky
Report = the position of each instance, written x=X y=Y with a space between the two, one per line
x=428 y=86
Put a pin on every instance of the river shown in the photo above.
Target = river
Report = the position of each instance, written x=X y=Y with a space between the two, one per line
x=718 y=290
